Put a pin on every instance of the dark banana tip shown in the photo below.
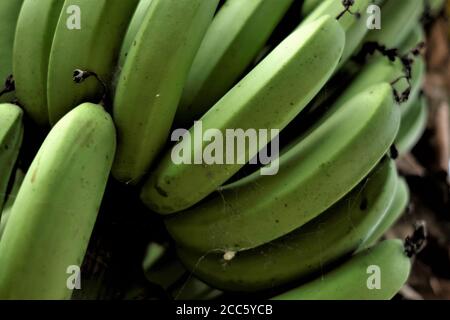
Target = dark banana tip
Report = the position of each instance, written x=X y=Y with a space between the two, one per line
x=416 y=242
x=10 y=85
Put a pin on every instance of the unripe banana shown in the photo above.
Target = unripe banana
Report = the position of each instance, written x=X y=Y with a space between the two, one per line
x=336 y=233
x=195 y=289
x=309 y=6
x=352 y=279
x=152 y=79
x=11 y=197
x=415 y=37
x=413 y=125
x=353 y=25
x=32 y=44
x=314 y=173
x=55 y=210
x=236 y=35
x=398 y=18
x=380 y=70
x=91 y=45
x=268 y=98
x=9 y=11
x=133 y=28
x=11 y=134
x=435 y=6
x=396 y=209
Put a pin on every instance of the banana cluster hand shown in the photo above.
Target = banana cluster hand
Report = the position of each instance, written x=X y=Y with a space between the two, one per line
x=110 y=82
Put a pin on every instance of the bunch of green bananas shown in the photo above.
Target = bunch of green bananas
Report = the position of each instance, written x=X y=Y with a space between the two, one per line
x=108 y=81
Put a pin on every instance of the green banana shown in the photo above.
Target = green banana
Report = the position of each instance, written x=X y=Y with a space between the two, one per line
x=268 y=98
x=397 y=208
x=55 y=210
x=380 y=69
x=415 y=37
x=398 y=18
x=194 y=289
x=32 y=44
x=354 y=27
x=237 y=34
x=18 y=179
x=309 y=6
x=351 y=280
x=313 y=175
x=336 y=233
x=9 y=11
x=93 y=47
x=133 y=28
x=413 y=125
x=164 y=49
x=11 y=135
x=435 y=6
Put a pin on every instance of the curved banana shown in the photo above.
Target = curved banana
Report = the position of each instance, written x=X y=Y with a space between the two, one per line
x=11 y=197
x=9 y=11
x=398 y=18
x=313 y=175
x=11 y=135
x=133 y=28
x=88 y=36
x=32 y=44
x=413 y=125
x=336 y=233
x=380 y=70
x=396 y=209
x=152 y=79
x=268 y=98
x=237 y=34
x=352 y=280
x=353 y=25
x=55 y=210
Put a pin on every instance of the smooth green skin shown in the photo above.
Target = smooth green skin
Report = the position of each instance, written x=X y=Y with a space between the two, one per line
x=309 y=6
x=236 y=36
x=398 y=18
x=412 y=126
x=436 y=6
x=355 y=29
x=349 y=280
x=310 y=180
x=11 y=135
x=34 y=36
x=376 y=71
x=334 y=234
x=152 y=80
x=95 y=47
x=11 y=197
x=269 y=97
x=416 y=36
x=396 y=209
x=9 y=11
x=55 y=210
x=133 y=28
x=380 y=69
